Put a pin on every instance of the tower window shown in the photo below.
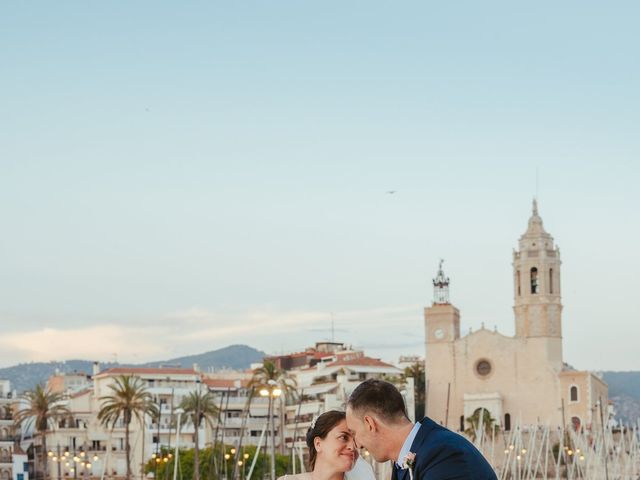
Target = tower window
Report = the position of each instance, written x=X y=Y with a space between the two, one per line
x=507 y=422
x=534 y=280
x=551 y=280
x=462 y=423
x=518 y=282
x=573 y=393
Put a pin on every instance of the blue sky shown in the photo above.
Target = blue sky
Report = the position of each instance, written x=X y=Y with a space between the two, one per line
x=176 y=177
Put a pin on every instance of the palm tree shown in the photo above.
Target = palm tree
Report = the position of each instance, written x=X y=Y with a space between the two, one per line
x=43 y=409
x=480 y=416
x=199 y=406
x=129 y=399
x=267 y=379
x=416 y=370
x=269 y=373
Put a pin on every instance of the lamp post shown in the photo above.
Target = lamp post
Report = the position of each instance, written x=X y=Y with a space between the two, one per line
x=57 y=459
x=179 y=411
x=272 y=391
x=245 y=457
x=227 y=456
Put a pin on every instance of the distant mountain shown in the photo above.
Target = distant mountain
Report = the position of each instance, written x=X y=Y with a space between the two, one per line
x=624 y=391
x=27 y=375
x=237 y=357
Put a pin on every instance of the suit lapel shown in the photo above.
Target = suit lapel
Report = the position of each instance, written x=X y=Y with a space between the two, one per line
x=426 y=425
x=399 y=473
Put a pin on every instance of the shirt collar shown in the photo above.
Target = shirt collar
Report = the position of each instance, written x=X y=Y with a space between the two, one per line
x=406 y=446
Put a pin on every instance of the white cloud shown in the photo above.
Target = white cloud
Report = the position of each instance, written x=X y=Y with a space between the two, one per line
x=95 y=342
x=196 y=330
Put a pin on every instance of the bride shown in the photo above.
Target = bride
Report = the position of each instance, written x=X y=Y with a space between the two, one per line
x=332 y=452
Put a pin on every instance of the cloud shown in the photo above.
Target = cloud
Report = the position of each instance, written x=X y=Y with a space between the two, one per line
x=196 y=330
x=93 y=342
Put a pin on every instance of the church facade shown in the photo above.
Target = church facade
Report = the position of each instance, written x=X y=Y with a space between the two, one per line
x=521 y=380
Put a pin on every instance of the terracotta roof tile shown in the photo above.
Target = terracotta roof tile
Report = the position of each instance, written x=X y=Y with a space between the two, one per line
x=148 y=371
x=224 y=383
x=362 y=361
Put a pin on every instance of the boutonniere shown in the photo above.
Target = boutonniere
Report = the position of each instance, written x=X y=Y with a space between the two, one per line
x=409 y=462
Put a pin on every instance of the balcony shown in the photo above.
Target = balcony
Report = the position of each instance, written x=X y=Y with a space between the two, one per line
x=237 y=422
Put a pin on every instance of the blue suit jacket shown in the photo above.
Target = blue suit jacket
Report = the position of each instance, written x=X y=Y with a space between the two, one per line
x=444 y=455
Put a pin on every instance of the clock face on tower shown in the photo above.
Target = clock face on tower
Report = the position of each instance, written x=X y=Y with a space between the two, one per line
x=439 y=333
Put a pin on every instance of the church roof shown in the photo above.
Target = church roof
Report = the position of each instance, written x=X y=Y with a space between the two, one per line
x=535 y=228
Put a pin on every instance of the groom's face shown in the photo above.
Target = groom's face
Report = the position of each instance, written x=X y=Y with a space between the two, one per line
x=364 y=433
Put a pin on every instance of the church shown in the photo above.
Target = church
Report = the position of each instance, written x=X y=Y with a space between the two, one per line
x=521 y=380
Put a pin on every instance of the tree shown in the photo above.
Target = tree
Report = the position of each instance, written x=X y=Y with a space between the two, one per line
x=268 y=378
x=269 y=373
x=43 y=409
x=416 y=371
x=199 y=406
x=480 y=416
x=129 y=399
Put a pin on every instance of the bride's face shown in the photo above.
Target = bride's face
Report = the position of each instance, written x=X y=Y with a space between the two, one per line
x=337 y=449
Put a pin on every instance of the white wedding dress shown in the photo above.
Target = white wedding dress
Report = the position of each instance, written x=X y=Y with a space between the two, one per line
x=360 y=471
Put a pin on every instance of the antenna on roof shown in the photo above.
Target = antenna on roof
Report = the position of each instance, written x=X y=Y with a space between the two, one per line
x=333 y=336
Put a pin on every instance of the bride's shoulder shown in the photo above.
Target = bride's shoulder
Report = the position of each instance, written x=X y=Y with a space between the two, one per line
x=297 y=476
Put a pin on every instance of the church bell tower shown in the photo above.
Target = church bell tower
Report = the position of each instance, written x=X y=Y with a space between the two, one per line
x=536 y=279
x=442 y=320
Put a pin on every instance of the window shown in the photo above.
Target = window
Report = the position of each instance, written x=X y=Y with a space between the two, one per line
x=573 y=393
x=575 y=423
x=534 y=280
x=551 y=280
x=518 y=282
x=462 y=423
x=507 y=422
x=483 y=368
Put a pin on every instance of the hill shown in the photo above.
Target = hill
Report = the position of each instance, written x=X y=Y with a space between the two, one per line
x=624 y=391
x=26 y=375
x=237 y=357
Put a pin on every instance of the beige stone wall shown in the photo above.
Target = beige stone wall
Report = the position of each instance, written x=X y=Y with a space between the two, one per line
x=527 y=378
x=520 y=373
x=590 y=389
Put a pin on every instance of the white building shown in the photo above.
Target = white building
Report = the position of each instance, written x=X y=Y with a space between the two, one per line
x=7 y=433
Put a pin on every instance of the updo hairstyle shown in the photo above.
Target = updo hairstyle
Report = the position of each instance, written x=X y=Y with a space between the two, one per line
x=322 y=426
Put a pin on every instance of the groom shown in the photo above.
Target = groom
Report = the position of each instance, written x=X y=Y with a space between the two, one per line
x=377 y=418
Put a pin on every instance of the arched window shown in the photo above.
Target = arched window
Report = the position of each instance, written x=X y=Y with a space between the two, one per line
x=534 y=280
x=551 y=280
x=518 y=282
x=507 y=422
x=575 y=423
x=573 y=393
x=462 y=423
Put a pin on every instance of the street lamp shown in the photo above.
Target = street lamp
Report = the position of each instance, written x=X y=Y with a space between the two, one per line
x=272 y=391
x=179 y=411
x=227 y=456
x=245 y=456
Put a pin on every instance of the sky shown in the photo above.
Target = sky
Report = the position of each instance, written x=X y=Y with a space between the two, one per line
x=176 y=177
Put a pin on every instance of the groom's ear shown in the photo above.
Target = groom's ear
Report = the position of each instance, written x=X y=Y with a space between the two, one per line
x=370 y=423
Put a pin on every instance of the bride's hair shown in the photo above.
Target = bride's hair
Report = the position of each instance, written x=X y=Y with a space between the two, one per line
x=320 y=428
